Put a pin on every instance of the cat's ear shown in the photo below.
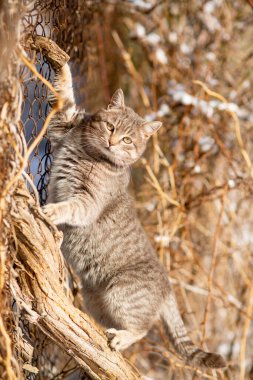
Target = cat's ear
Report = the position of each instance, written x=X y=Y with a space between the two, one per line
x=117 y=100
x=150 y=127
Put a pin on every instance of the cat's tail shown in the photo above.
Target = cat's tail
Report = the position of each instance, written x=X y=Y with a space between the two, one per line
x=177 y=333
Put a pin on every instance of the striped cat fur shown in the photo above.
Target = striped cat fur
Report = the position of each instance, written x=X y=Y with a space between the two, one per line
x=126 y=289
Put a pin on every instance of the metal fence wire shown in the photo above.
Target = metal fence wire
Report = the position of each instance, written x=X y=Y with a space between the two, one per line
x=67 y=24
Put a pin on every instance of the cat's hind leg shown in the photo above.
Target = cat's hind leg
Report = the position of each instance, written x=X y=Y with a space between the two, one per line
x=131 y=307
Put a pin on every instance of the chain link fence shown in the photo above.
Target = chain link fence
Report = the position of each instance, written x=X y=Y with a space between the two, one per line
x=66 y=23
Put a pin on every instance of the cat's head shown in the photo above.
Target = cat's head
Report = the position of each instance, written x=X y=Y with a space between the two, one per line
x=119 y=133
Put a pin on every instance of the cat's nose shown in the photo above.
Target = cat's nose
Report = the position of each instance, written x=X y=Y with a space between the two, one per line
x=112 y=142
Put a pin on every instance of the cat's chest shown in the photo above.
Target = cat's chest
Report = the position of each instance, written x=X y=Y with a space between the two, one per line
x=84 y=248
x=75 y=173
x=101 y=182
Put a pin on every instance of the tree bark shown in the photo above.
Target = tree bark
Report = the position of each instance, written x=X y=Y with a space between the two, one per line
x=55 y=55
x=40 y=289
x=10 y=102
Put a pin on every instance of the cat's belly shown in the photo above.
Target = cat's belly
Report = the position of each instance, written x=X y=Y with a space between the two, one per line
x=106 y=246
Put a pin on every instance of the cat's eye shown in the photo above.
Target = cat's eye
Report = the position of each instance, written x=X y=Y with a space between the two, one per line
x=127 y=140
x=110 y=127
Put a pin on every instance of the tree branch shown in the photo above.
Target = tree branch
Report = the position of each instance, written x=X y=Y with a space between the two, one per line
x=55 y=55
x=40 y=290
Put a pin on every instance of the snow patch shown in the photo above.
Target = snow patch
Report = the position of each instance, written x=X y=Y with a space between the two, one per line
x=161 y=56
x=208 y=108
x=140 y=30
x=153 y=38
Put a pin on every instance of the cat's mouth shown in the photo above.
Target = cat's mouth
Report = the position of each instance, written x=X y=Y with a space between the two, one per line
x=108 y=149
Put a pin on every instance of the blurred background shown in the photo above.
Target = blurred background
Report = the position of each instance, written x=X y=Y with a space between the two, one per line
x=188 y=64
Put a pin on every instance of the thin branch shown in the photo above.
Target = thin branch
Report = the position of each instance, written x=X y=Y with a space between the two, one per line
x=236 y=124
x=245 y=333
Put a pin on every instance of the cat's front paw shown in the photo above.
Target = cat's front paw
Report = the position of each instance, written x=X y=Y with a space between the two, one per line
x=53 y=212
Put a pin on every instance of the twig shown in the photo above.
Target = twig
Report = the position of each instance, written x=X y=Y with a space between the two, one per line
x=213 y=264
x=102 y=60
x=131 y=68
x=157 y=186
x=250 y=3
x=236 y=124
x=245 y=333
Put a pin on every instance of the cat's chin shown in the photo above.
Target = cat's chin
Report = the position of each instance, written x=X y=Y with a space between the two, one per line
x=115 y=159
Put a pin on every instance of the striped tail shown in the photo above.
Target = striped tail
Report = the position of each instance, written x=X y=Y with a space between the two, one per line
x=177 y=333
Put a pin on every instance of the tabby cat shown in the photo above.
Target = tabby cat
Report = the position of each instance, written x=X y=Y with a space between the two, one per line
x=126 y=288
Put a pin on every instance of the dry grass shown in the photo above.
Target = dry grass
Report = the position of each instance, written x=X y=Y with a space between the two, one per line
x=185 y=63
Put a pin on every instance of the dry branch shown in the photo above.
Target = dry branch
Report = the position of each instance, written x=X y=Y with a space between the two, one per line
x=56 y=56
x=9 y=162
x=39 y=290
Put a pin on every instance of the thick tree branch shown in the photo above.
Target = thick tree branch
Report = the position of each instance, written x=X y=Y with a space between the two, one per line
x=40 y=290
